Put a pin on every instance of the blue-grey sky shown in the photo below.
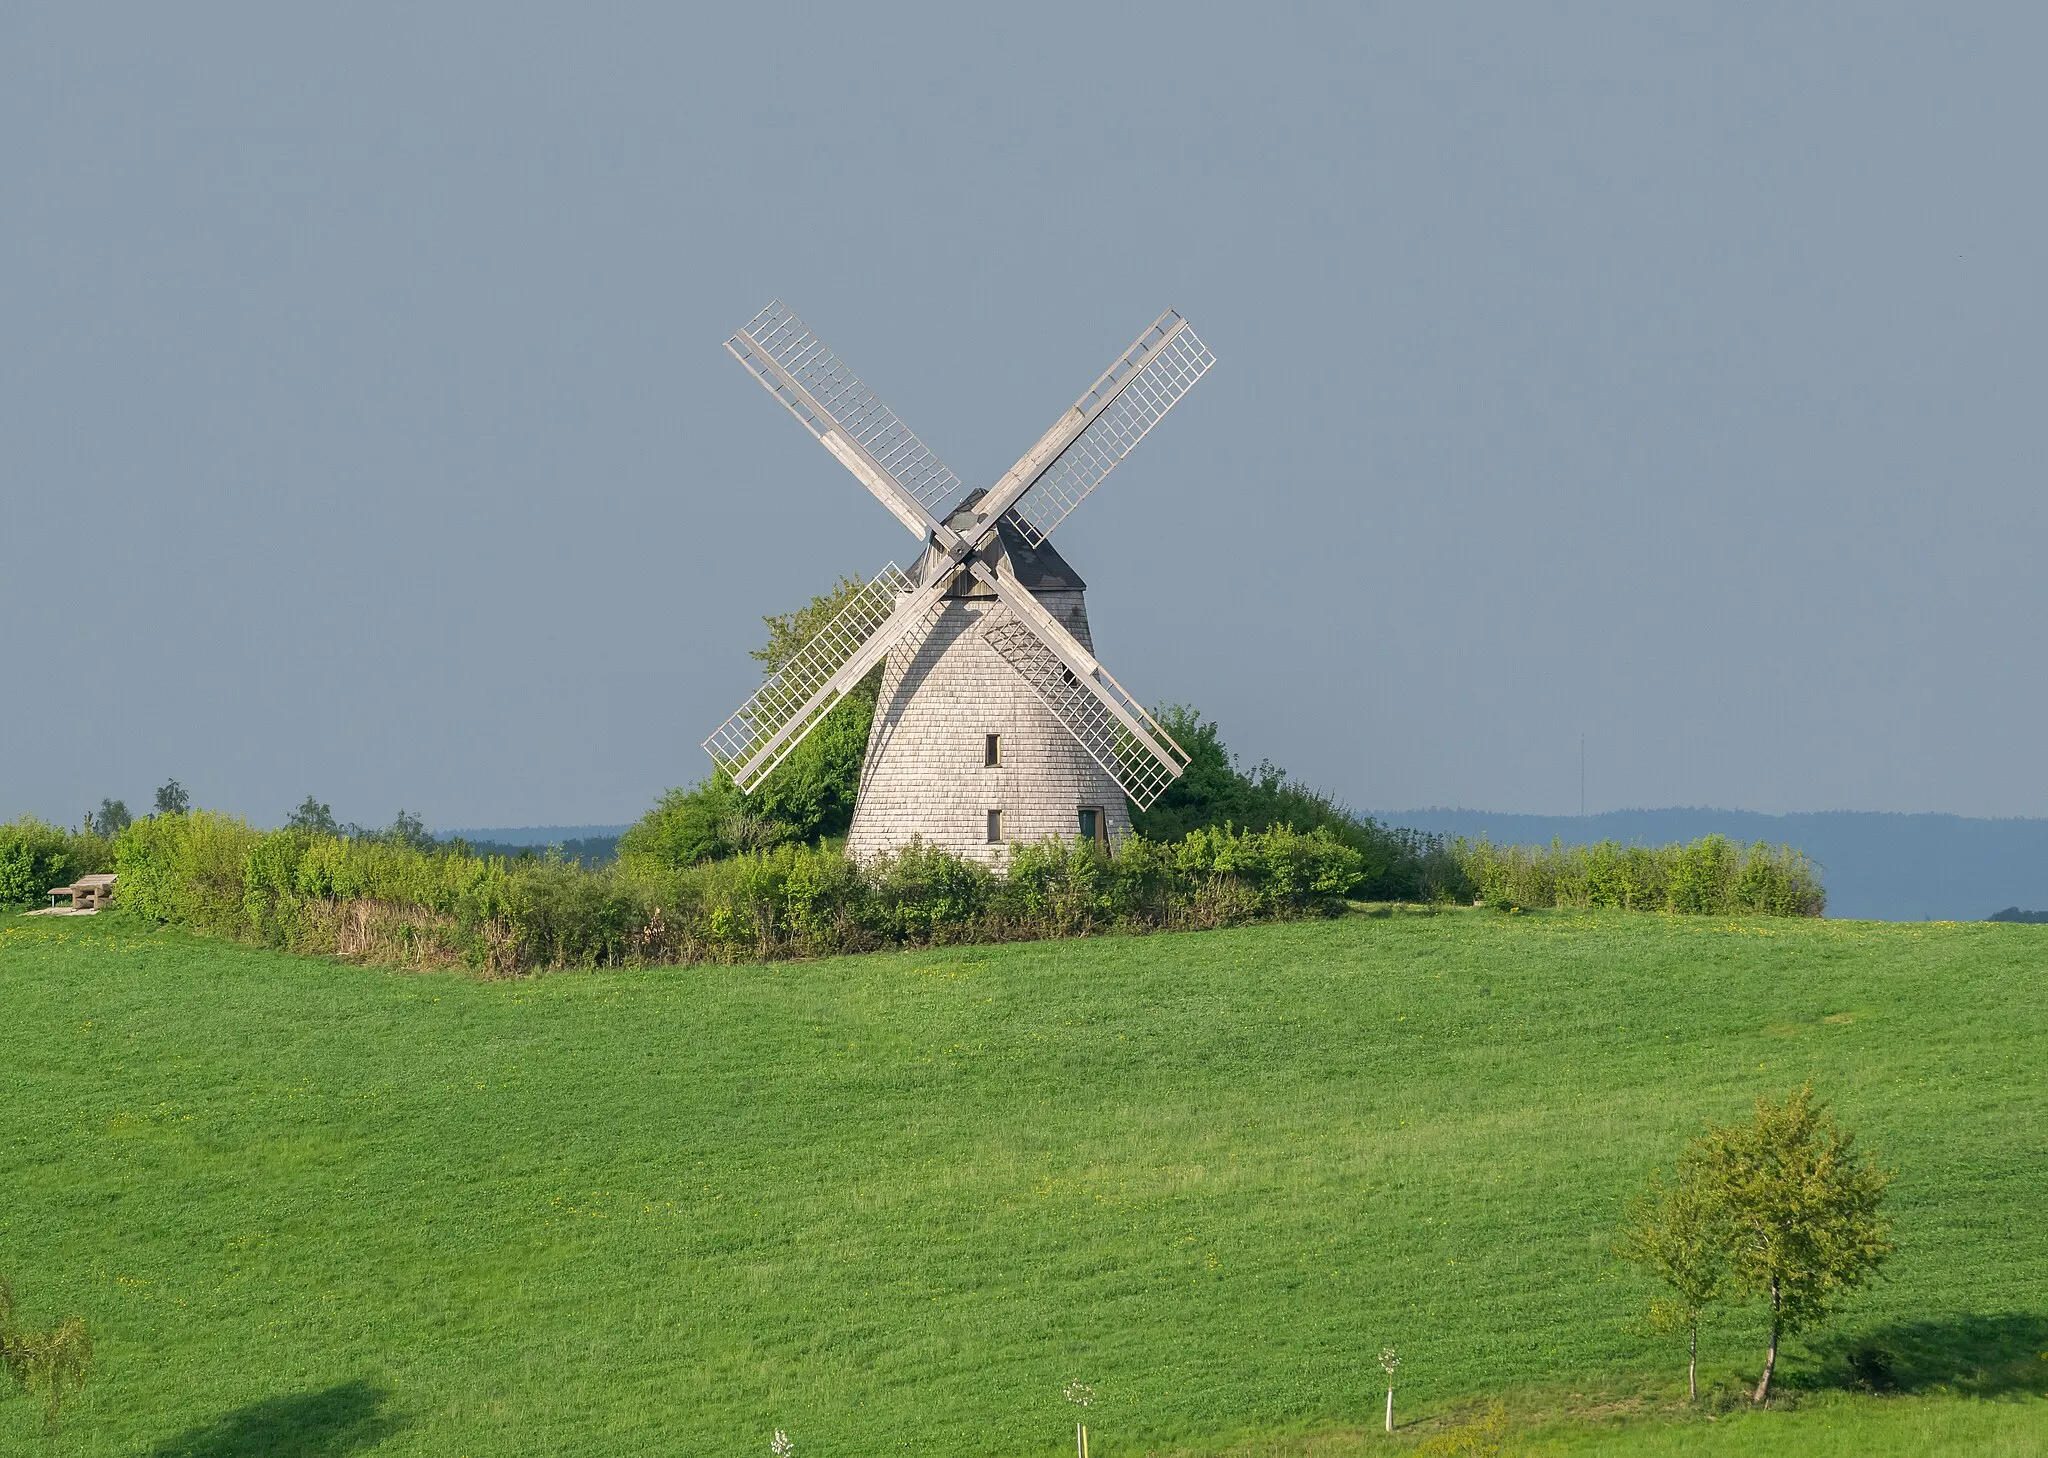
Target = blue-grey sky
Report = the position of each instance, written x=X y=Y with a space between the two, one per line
x=1671 y=375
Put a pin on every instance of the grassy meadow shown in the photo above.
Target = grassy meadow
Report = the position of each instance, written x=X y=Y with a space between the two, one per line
x=894 y=1203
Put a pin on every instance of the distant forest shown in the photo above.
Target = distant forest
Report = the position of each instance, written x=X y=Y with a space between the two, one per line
x=2013 y=913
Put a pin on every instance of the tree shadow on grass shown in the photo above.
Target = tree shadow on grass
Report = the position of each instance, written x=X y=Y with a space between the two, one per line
x=345 y=1418
x=1975 y=1356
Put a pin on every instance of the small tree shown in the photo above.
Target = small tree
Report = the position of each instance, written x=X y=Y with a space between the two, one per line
x=1676 y=1233
x=1389 y=1360
x=410 y=831
x=1800 y=1209
x=314 y=816
x=52 y=1363
x=1082 y=1396
x=171 y=799
x=112 y=819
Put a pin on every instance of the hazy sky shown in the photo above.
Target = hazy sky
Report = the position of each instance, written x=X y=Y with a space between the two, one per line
x=1674 y=376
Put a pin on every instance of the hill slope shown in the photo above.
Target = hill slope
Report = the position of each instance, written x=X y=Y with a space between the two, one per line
x=894 y=1203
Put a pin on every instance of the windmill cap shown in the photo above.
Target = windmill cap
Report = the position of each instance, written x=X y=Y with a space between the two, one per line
x=1037 y=569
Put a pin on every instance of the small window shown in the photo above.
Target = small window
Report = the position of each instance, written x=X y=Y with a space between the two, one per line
x=1093 y=826
x=991 y=750
x=995 y=827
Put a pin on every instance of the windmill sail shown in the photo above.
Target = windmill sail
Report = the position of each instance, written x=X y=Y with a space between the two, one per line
x=1138 y=767
x=762 y=731
x=1145 y=382
x=819 y=390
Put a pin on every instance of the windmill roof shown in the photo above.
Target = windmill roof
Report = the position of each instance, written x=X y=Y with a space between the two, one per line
x=1037 y=569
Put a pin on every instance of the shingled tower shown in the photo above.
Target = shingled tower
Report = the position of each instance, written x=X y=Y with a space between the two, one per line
x=964 y=754
x=996 y=724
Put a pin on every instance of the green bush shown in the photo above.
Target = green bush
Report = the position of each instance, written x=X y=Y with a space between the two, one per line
x=36 y=857
x=807 y=798
x=1708 y=876
x=188 y=868
x=685 y=826
x=1394 y=864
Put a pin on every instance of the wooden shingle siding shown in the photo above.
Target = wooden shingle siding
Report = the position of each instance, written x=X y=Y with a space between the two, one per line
x=926 y=775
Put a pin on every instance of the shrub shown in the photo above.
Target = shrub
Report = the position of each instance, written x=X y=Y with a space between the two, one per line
x=1483 y=1437
x=684 y=827
x=921 y=893
x=1394 y=864
x=1707 y=876
x=36 y=856
x=565 y=917
x=188 y=868
x=146 y=862
x=1778 y=881
x=1702 y=874
x=54 y=1363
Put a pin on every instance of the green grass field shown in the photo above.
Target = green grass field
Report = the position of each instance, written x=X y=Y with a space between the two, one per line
x=893 y=1204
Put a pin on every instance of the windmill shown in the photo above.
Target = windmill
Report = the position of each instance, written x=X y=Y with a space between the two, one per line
x=996 y=724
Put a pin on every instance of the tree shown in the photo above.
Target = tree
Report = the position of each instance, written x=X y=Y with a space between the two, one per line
x=313 y=816
x=789 y=632
x=410 y=831
x=811 y=793
x=112 y=819
x=54 y=1363
x=1676 y=1233
x=1799 y=1207
x=1213 y=790
x=171 y=799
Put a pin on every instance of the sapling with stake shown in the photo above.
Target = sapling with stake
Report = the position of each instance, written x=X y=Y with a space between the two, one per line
x=1082 y=1396
x=1388 y=1362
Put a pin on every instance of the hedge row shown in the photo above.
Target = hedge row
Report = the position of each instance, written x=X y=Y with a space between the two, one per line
x=308 y=892
x=1709 y=875
x=383 y=901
